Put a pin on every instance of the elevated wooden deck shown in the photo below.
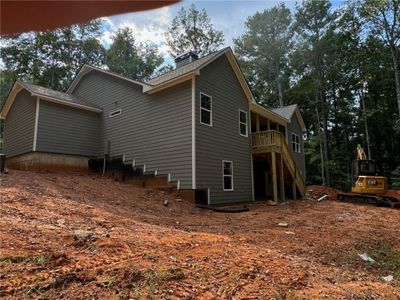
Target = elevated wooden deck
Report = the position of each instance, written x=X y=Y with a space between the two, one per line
x=272 y=141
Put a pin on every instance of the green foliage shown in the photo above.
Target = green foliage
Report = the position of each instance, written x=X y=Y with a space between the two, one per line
x=263 y=53
x=51 y=58
x=337 y=61
x=192 y=29
x=395 y=178
x=131 y=59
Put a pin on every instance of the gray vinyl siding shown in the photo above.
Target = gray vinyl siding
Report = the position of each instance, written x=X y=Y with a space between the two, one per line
x=222 y=141
x=20 y=124
x=66 y=130
x=154 y=130
x=294 y=127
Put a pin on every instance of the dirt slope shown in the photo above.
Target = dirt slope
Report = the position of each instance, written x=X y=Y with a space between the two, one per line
x=74 y=236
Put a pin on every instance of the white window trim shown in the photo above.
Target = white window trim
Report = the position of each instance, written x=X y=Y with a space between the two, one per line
x=223 y=176
x=247 y=123
x=114 y=113
x=297 y=147
x=209 y=110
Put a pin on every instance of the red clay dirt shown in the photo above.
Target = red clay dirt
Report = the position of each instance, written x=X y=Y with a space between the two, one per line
x=76 y=236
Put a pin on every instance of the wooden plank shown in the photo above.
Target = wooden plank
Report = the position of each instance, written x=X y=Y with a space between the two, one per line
x=294 y=190
x=282 y=181
x=274 y=177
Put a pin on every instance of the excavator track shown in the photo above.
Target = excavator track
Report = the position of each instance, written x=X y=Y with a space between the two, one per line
x=375 y=200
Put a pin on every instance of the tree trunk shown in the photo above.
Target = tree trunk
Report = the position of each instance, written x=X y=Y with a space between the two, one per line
x=319 y=132
x=325 y=139
x=366 y=125
x=395 y=57
x=279 y=85
x=320 y=148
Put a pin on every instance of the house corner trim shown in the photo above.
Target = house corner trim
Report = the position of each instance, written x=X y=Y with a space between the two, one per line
x=193 y=132
x=36 y=124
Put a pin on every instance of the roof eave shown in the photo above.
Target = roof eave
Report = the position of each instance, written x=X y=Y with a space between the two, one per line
x=17 y=87
x=170 y=83
x=67 y=103
x=257 y=108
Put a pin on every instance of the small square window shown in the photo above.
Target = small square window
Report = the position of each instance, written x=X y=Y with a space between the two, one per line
x=205 y=109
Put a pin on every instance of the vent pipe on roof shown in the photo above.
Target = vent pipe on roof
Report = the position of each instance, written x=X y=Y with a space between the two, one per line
x=186 y=58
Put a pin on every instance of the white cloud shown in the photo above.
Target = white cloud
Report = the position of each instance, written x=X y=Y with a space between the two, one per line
x=148 y=27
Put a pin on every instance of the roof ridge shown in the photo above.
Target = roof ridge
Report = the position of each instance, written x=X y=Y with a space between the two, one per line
x=189 y=63
x=186 y=68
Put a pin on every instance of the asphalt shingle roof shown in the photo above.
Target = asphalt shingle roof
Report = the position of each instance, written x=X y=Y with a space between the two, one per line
x=190 y=67
x=286 y=111
x=46 y=92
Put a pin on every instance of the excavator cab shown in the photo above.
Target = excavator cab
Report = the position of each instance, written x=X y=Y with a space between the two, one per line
x=365 y=179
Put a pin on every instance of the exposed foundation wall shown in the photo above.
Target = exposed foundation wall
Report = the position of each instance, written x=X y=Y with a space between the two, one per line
x=39 y=161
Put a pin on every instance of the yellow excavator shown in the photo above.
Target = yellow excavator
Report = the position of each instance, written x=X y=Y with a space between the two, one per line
x=367 y=186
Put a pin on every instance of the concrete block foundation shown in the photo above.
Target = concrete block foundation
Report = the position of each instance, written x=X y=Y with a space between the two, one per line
x=40 y=161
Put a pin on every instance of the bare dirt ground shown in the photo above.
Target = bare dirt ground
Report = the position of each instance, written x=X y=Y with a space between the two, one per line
x=75 y=236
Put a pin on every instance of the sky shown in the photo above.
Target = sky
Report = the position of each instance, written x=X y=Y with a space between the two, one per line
x=150 y=26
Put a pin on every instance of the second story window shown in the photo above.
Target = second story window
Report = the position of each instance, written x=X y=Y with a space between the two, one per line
x=205 y=109
x=243 y=123
x=296 y=143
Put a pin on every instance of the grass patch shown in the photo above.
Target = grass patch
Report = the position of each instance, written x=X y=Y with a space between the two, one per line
x=387 y=258
x=153 y=277
x=41 y=260
x=151 y=256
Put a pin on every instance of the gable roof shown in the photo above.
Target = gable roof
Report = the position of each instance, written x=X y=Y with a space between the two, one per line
x=46 y=94
x=88 y=68
x=176 y=76
x=288 y=111
x=188 y=71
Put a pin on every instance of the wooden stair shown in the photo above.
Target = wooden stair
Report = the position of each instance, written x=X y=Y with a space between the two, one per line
x=274 y=141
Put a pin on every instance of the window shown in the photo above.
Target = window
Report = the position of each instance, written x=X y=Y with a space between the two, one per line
x=227 y=175
x=296 y=143
x=205 y=109
x=243 y=122
x=114 y=113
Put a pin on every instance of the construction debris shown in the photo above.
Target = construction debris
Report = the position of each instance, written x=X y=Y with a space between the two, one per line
x=388 y=278
x=283 y=224
x=290 y=232
x=322 y=198
x=366 y=257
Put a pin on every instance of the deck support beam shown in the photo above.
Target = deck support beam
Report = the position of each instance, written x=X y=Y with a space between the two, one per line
x=282 y=181
x=294 y=190
x=274 y=177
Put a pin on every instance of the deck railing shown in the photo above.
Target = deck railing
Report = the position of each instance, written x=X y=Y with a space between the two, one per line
x=266 y=138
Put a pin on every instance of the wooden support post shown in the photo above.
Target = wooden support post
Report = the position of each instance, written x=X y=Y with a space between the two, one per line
x=294 y=190
x=268 y=124
x=282 y=185
x=257 y=123
x=294 y=186
x=274 y=177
